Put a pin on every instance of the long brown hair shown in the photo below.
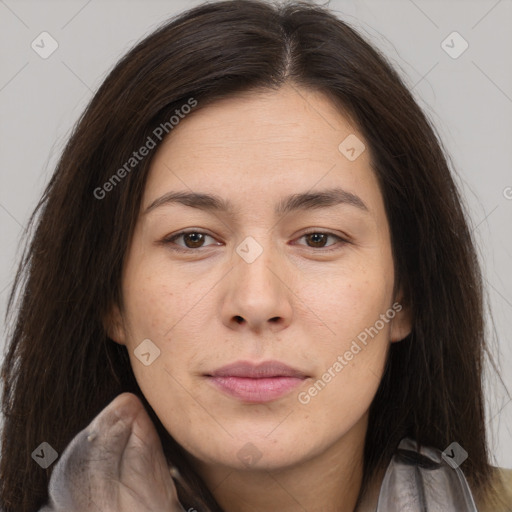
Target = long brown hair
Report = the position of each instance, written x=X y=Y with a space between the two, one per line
x=61 y=368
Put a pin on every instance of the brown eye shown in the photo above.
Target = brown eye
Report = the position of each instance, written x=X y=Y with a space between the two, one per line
x=319 y=239
x=191 y=240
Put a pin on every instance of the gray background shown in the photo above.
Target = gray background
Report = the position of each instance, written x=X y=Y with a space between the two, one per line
x=469 y=100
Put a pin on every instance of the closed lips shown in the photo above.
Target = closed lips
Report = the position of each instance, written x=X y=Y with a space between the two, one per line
x=267 y=369
x=250 y=383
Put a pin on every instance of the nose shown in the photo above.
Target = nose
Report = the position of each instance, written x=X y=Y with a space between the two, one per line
x=258 y=295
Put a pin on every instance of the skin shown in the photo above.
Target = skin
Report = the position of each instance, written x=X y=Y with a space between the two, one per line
x=297 y=302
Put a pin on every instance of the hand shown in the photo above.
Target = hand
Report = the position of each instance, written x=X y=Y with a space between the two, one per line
x=116 y=464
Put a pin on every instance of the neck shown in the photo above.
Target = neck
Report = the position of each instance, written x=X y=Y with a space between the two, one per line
x=330 y=481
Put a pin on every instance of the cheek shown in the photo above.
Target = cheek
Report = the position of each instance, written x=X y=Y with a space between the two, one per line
x=348 y=300
x=354 y=306
x=351 y=361
x=168 y=307
x=158 y=297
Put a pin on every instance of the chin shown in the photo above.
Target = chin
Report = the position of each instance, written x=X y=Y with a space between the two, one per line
x=248 y=453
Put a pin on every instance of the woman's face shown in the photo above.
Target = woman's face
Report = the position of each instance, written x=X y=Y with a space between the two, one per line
x=270 y=271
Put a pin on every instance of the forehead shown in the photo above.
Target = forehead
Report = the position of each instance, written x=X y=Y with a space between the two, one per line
x=289 y=118
x=257 y=143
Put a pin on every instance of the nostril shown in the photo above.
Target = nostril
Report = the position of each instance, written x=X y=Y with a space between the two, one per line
x=239 y=319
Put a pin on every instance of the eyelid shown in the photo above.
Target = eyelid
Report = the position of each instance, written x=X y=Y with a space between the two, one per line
x=333 y=247
x=168 y=240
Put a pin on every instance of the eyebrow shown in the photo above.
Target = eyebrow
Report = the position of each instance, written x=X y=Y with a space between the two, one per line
x=304 y=201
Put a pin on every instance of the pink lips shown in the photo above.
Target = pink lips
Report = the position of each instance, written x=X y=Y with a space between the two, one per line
x=263 y=382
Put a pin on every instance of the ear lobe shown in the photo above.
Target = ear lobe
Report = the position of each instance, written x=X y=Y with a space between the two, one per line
x=401 y=325
x=114 y=326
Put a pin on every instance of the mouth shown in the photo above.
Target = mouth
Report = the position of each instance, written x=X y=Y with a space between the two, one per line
x=256 y=383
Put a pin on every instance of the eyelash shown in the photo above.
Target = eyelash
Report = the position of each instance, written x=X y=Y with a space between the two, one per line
x=170 y=240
